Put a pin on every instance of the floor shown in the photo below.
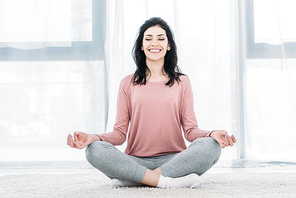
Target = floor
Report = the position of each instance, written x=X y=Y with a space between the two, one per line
x=88 y=169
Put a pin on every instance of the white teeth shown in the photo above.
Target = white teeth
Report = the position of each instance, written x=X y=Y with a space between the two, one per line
x=154 y=50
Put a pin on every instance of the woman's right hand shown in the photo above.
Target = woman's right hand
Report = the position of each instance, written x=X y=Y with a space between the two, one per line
x=80 y=140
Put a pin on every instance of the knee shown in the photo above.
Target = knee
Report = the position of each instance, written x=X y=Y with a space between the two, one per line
x=211 y=148
x=95 y=151
x=91 y=151
x=215 y=149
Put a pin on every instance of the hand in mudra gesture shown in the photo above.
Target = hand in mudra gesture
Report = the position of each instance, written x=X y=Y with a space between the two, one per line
x=80 y=140
x=223 y=138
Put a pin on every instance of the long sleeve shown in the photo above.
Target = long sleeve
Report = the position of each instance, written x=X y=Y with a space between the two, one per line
x=188 y=119
x=118 y=135
x=151 y=118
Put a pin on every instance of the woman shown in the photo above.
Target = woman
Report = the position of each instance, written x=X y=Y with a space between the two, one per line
x=153 y=105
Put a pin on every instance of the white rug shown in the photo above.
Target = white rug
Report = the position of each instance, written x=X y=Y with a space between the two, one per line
x=95 y=184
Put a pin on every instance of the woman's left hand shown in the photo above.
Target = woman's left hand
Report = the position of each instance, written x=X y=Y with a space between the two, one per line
x=223 y=138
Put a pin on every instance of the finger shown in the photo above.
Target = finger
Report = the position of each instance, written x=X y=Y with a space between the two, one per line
x=226 y=138
x=225 y=135
x=233 y=138
x=76 y=142
x=68 y=140
x=71 y=143
x=230 y=143
x=222 y=143
x=223 y=138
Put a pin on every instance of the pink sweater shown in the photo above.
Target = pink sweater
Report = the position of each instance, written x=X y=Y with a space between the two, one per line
x=155 y=113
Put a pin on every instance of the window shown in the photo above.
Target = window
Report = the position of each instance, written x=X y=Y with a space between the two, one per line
x=270 y=30
x=87 y=49
x=51 y=87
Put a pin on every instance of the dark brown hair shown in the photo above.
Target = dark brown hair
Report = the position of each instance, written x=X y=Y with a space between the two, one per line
x=171 y=59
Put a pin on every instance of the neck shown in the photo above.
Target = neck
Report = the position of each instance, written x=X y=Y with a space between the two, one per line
x=156 y=68
x=156 y=73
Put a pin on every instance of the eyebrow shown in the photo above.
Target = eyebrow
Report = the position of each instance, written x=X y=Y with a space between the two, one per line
x=157 y=35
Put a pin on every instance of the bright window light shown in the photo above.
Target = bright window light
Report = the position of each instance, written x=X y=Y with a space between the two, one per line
x=274 y=21
x=44 y=21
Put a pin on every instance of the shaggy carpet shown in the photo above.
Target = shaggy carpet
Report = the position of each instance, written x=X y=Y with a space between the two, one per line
x=95 y=184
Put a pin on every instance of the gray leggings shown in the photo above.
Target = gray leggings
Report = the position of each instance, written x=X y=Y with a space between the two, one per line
x=198 y=158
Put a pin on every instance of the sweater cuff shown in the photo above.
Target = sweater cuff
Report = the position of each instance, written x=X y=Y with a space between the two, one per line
x=209 y=134
x=99 y=137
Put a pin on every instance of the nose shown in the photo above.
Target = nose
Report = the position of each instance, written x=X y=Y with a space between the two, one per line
x=154 y=42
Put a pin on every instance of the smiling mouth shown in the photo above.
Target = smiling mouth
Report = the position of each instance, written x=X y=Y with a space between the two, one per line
x=154 y=50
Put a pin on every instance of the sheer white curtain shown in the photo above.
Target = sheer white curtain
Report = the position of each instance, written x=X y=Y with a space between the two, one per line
x=43 y=101
x=270 y=83
x=270 y=109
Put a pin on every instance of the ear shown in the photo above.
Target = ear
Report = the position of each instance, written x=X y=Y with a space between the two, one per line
x=169 y=47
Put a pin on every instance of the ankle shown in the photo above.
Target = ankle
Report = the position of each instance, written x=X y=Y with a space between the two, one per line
x=158 y=170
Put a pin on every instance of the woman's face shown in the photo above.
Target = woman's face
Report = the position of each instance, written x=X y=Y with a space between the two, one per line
x=155 y=44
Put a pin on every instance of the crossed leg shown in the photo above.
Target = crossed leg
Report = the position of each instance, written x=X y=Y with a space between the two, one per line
x=199 y=157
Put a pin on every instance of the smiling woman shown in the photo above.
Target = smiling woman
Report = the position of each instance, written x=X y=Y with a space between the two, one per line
x=155 y=44
x=155 y=54
x=155 y=47
x=155 y=105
